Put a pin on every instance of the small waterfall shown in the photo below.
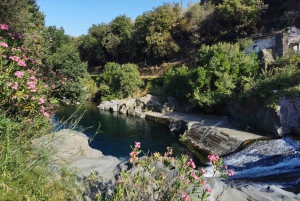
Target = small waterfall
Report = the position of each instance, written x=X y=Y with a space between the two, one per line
x=273 y=161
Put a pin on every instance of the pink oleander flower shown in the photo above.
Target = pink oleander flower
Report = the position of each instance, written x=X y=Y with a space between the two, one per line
x=3 y=44
x=15 y=87
x=213 y=158
x=132 y=153
x=181 y=177
x=194 y=176
x=191 y=164
x=9 y=84
x=185 y=197
x=3 y=27
x=19 y=74
x=42 y=109
x=42 y=101
x=225 y=167
x=46 y=114
x=208 y=190
x=137 y=145
x=203 y=182
x=14 y=58
x=231 y=172
x=3 y=56
x=171 y=158
x=202 y=171
x=22 y=63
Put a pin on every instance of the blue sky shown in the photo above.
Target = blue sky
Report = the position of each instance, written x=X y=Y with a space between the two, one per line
x=77 y=16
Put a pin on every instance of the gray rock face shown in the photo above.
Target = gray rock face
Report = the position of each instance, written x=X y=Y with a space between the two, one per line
x=222 y=192
x=71 y=149
x=280 y=121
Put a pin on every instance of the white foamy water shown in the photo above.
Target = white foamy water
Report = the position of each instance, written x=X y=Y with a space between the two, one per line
x=267 y=158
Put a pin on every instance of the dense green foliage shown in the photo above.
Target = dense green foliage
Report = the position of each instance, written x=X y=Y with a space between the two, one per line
x=119 y=81
x=223 y=72
x=37 y=66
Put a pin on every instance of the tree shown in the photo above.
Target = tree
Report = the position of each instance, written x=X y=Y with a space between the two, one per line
x=224 y=71
x=153 y=30
x=119 y=81
x=240 y=16
x=66 y=63
x=122 y=27
x=56 y=38
x=20 y=14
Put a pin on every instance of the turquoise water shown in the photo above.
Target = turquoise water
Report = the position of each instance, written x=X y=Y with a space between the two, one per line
x=119 y=131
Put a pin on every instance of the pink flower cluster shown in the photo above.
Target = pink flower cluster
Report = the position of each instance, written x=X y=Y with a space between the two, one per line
x=42 y=110
x=137 y=145
x=15 y=87
x=133 y=156
x=19 y=74
x=3 y=44
x=213 y=158
x=18 y=60
x=231 y=173
x=194 y=176
x=185 y=196
x=191 y=164
x=3 y=27
x=32 y=83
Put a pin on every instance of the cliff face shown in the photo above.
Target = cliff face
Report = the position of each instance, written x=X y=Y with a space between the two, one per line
x=280 y=121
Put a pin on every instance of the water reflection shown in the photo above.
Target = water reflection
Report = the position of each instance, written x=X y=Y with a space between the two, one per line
x=119 y=131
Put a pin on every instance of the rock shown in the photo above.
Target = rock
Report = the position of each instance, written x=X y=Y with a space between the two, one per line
x=123 y=109
x=125 y=105
x=177 y=125
x=211 y=140
x=278 y=121
x=168 y=107
x=109 y=105
x=149 y=103
x=131 y=111
x=222 y=192
x=70 y=149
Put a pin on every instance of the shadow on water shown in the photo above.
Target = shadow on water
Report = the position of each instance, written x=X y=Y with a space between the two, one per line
x=118 y=132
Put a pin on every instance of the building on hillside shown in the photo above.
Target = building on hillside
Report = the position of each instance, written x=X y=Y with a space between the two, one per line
x=275 y=44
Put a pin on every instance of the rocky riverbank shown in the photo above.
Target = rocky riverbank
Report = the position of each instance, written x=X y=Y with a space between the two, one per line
x=201 y=133
x=69 y=149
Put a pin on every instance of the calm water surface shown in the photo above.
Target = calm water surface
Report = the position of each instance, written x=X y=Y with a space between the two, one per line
x=118 y=131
